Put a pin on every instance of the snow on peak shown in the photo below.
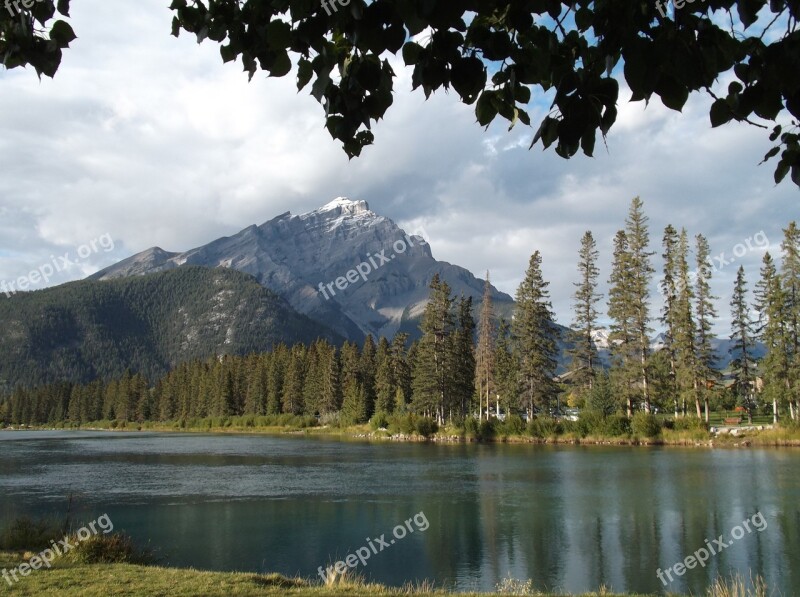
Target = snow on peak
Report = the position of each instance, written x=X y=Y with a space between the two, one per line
x=346 y=204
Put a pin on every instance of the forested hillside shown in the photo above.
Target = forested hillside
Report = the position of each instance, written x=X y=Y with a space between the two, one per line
x=86 y=330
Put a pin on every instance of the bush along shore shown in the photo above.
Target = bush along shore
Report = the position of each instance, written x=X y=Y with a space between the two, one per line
x=589 y=428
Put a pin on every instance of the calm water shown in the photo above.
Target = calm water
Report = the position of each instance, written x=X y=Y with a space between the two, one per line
x=569 y=518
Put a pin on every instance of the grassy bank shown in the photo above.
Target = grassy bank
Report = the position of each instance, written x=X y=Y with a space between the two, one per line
x=612 y=430
x=101 y=580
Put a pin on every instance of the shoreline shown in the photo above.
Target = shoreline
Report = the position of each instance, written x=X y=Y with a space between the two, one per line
x=768 y=438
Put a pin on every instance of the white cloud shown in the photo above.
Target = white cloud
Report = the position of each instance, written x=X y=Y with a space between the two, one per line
x=154 y=141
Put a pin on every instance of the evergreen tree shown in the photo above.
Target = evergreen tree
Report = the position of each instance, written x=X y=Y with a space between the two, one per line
x=367 y=374
x=292 y=396
x=385 y=387
x=621 y=312
x=629 y=305
x=484 y=354
x=535 y=337
x=463 y=359
x=770 y=303
x=742 y=365
x=790 y=282
x=705 y=314
x=685 y=332
x=506 y=368
x=586 y=297
x=433 y=365
x=669 y=314
x=401 y=370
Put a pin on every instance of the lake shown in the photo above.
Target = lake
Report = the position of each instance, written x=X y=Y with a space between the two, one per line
x=571 y=518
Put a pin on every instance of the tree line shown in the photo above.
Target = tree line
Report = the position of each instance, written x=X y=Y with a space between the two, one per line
x=462 y=368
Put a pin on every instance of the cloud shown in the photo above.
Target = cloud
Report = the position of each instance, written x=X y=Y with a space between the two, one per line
x=154 y=141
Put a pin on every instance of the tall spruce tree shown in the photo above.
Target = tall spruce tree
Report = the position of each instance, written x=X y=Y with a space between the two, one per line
x=463 y=347
x=790 y=281
x=685 y=332
x=584 y=355
x=535 y=336
x=742 y=365
x=506 y=368
x=485 y=352
x=433 y=366
x=669 y=314
x=770 y=303
x=705 y=360
x=621 y=337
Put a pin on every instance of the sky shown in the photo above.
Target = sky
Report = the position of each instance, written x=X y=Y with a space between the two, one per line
x=146 y=140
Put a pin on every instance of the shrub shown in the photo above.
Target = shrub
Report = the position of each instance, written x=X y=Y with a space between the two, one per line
x=116 y=548
x=404 y=423
x=514 y=425
x=329 y=419
x=590 y=422
x=426 y=426
x=616 y=425
x=688 y=424
x=379 y=420
x=27 y=533
x=487 y=429
x=544 y=427
x=472 y=428
x=645 y=425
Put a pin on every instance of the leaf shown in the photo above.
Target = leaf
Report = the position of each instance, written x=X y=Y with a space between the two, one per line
x=411 y=52
x=771 y=153
x=320 y=85
x=304 y=73
x=63 y=7
x=485 y=110
x=228 y=53
x=781 y=171
x=62 y=34
x=281 y=66
x=720 y=113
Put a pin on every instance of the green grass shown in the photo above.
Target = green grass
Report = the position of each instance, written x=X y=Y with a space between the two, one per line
x=101 y=580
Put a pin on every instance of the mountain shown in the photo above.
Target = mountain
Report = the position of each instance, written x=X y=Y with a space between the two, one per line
x=88 y=329
x=343 y=265
x=721 y=347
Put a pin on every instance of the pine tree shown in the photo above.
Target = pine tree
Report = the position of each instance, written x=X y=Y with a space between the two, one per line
x=535 y=336
x=330 y=398
x=621 y=312
x=669 y=289
x=433 y=366
x=401 y=369
x=463 y=358
x=629 y=305
x=586 y=297
x=367 y=373
x=292 y=396
x=770 y=303
x=790 y=281
x=705 y=314
x=484 y=354
x=742 y=365
x=638 y=241
x=685 y=332
x=506 y=368
x=384 y=378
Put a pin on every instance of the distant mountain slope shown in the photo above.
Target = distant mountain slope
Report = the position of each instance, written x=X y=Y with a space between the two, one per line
x=296 y=255
x=83 y=330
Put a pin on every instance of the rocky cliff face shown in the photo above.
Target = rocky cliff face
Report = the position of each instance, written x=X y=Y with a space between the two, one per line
x=342 y=264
